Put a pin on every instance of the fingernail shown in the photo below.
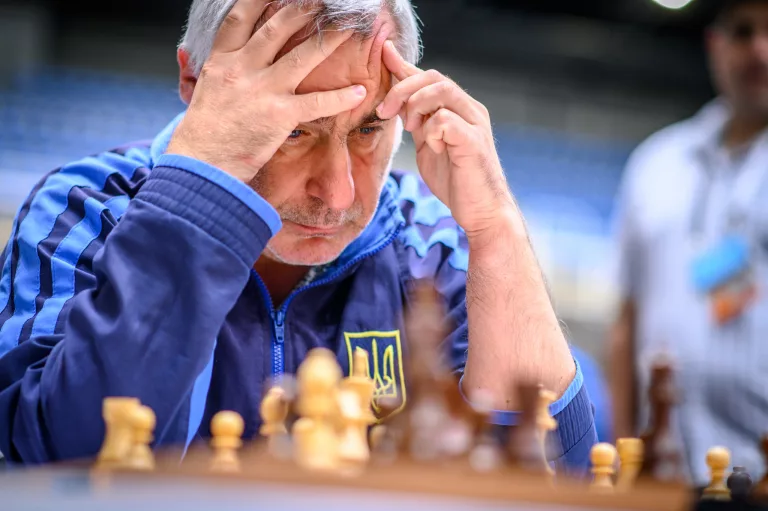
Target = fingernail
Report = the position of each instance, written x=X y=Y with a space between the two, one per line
x=359 y=90
x=380 y=110
x=391 y=45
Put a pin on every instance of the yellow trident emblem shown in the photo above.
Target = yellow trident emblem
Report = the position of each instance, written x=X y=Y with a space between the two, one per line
x=385 y=364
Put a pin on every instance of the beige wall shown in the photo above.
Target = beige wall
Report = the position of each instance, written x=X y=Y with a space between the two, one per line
x=5 y=230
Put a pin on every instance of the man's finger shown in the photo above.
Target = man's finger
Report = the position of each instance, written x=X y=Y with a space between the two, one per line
x=275 y=34
x=445 y=129
x=439 y=95
x=297 y=64
x=238 y=25
x=396 y=64
x=327 y=104
x=398 y=96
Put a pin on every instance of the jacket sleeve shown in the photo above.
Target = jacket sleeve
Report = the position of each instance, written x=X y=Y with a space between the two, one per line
x=145 y=325
x=576 y=430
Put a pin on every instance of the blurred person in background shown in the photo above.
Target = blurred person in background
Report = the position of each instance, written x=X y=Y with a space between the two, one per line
x=694 y=258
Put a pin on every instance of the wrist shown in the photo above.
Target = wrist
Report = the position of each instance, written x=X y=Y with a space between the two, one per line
x=507 y=228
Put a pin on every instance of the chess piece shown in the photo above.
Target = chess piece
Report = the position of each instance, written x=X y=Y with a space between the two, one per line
x=662 y=459
x=362 y=385
x=760 y=490
x=390 y=441
x=376 y=434
x=274 y=411
x=226 y=430
x=603 y=458
x=118 y=437
x=353 y=453
x=524 y=447
x=718 y=460
x=631 y=459
x=317 y=442
x=545 y=423
x=485 y=455
x=140 y=456
x=740 y=484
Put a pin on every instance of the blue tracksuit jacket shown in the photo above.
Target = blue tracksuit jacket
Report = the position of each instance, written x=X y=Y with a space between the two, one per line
x=129 y=273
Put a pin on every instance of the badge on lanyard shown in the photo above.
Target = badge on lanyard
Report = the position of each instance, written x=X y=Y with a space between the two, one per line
x=725 y=275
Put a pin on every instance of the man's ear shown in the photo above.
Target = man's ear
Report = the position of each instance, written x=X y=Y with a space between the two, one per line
x=187 y=76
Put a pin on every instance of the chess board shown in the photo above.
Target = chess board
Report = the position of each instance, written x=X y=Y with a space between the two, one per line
x=265 y=483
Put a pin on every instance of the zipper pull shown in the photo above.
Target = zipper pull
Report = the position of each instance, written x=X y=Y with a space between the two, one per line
x=279 y=327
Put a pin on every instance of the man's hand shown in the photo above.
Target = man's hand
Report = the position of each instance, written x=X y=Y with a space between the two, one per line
x=456 y=154
x=244 y=105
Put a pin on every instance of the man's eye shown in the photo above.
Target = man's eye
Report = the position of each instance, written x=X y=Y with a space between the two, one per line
x=742 y=32
x=296 y=134
x=369 y=130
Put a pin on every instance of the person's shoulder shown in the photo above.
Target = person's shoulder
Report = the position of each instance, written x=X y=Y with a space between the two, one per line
x=81 y=193
x=99 y=177
x=431 y=237
x=657 y=157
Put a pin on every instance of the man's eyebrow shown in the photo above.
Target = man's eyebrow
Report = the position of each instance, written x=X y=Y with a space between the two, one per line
x=371 y=118
x=327 y=122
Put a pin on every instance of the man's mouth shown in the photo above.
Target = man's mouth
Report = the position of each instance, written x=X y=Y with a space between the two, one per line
x=315 y=230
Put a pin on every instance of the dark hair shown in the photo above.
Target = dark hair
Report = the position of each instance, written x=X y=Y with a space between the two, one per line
x=727 y=7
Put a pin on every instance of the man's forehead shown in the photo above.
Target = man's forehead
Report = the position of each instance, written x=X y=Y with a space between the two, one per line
x=356 y=62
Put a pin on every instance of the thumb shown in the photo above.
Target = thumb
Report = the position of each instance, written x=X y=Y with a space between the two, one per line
x=327 y=104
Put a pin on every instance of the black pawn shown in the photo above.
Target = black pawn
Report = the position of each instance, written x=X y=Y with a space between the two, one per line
x=740 y=483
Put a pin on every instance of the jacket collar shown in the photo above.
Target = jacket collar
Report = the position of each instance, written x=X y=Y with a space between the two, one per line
x=386 y=222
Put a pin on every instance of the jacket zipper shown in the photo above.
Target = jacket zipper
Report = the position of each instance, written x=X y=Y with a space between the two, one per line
x=278 y=317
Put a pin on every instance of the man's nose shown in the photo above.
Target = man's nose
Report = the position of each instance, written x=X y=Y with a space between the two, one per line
x=332 y=181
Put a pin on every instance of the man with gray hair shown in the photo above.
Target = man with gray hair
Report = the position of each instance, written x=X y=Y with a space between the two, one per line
x=265 y=222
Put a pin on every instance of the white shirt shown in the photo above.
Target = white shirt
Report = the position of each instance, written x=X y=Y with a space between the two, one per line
x=721 y=371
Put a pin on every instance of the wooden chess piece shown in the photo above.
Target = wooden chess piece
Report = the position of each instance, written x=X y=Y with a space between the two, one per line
x=524 y=447
x=740 y=484
x=603 y=458
x=390 y=442
x=631 y=459
x=486 y=454
x=227 y=431
x=375 y=436
x=759 y=492
x=140 y=456
x=718 y=460
x=545 y=423
x=361 y=384
x=318 y=378
x=274 y=411
x=354 y=452
x=662 y=459
x=118 y=437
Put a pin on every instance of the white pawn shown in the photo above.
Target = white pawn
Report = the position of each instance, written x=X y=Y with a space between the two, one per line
x=226 y=430
x=718 y=460
x=140 y=456
x=118 y=438
x=354 y=452
x=274 y=412
x=603 y=458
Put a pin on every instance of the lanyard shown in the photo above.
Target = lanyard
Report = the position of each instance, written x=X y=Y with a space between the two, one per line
x=748 y=183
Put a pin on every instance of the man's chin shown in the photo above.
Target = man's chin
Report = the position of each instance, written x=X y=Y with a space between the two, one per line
x=316 y=251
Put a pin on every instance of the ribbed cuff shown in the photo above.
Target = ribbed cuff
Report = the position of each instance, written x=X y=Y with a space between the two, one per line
x=233 y=185
x=209 y=206
x=505 y=418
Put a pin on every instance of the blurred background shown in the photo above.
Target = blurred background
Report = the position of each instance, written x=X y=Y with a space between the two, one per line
x=572 y=88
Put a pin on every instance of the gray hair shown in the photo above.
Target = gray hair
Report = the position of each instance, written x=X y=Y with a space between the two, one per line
x=206 y=16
